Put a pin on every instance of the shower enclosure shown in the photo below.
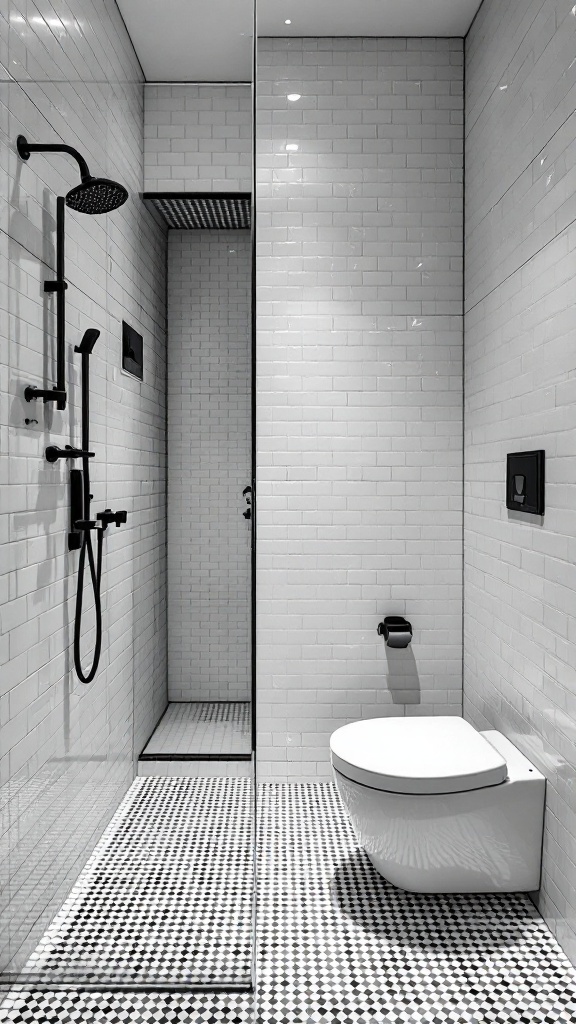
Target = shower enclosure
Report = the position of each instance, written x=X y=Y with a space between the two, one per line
x=128 y=795
x=209 y=443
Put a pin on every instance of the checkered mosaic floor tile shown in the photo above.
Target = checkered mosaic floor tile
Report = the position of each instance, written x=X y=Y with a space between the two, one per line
x=202 y=727
x=126 y=1008
x=49 y=822
x=337 y=943
x=167 y=894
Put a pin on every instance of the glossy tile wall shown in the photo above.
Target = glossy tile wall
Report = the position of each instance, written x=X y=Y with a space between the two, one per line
x=198 y=138
x=520 y=632
x=359 y=438
x=70 y=75
x=209 y=464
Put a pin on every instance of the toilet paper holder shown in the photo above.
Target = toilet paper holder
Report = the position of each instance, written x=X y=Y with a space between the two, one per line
x=396 y=630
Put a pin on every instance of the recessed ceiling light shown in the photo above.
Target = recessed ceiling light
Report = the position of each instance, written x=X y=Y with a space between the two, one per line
x=293 y=96
x=287 y=22
x=291 y=147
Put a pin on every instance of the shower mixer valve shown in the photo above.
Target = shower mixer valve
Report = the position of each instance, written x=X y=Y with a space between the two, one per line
x=102 y=522
x=107 y=517
x=53 y=453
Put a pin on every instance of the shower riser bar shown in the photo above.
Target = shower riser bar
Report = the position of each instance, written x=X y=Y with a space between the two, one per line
x=59 y=286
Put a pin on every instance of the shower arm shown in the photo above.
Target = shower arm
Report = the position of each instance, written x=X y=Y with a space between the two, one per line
x=25 y=148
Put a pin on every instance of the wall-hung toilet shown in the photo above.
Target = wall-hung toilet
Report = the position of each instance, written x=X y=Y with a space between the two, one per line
x=440 y=807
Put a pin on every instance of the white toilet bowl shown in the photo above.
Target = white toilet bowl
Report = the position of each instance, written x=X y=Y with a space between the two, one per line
x=440 y=807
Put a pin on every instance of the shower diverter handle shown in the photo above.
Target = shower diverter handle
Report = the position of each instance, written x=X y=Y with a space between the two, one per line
x=53 y=453
x=108 y=516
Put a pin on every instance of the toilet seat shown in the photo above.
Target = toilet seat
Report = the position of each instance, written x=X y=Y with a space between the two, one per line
x=417 y=755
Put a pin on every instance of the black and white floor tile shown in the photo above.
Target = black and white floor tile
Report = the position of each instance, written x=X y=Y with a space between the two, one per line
x=201 y=728
x=48 y=823
x=167 y=895
x=337 y=943
x=126 y=1008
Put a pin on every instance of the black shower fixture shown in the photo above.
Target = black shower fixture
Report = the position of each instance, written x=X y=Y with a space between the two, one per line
x=80 y=536
x=91 y=196
x=53 y=453
x=89 y=339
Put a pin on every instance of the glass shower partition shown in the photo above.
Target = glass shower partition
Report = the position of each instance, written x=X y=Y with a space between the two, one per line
x=128 y=863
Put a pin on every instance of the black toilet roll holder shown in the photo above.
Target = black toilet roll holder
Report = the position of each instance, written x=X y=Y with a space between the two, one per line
x=396 y=630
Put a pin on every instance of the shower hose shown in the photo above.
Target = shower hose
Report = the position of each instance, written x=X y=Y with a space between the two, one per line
x=96 y=580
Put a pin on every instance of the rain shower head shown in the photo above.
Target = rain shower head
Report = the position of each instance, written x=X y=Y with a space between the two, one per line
x=92 y=195
x=88 y=341
x=96 y=195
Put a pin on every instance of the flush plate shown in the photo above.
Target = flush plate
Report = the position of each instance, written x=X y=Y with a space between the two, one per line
x=525 y=482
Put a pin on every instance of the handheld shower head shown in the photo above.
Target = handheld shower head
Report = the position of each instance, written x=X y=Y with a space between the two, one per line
x=96 y=195
x=92 y=195
x=88 y=341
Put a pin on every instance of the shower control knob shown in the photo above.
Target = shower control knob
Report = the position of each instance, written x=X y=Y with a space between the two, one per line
x=31 y=393
x=247 y=514
x=108 y=516
x=53 y=453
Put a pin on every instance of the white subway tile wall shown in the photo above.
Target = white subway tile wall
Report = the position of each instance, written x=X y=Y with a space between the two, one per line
x=198 y=138
x=359 y=438
x=209 y=464
x=520 y=575
x=71 y=76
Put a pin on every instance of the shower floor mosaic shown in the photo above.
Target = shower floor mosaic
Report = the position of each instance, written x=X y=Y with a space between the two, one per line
x=167 y=894
x=337 y=944
x=202 y=728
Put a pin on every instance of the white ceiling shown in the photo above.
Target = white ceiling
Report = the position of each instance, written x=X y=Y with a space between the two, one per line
x=211 y=40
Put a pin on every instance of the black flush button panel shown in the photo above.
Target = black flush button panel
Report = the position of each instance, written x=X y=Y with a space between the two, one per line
x=525 y=482
x=132 y=351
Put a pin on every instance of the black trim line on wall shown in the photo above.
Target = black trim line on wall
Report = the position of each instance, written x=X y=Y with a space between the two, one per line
x=219 y=701
x=195 y=757
x=195 y=195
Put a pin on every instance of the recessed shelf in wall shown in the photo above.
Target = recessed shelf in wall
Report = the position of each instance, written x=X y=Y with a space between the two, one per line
x=229 y=211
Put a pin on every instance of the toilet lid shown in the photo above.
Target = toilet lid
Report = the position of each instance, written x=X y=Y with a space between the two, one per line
x=417 y=755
